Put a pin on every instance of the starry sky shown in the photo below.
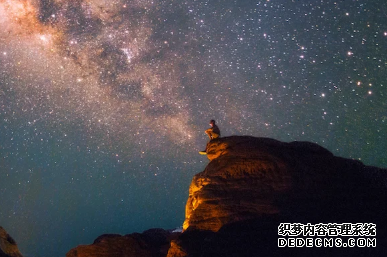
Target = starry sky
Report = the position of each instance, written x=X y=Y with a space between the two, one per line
x=103 y=103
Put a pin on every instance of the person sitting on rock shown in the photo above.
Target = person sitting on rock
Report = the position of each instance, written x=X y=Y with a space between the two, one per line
x=213 y=132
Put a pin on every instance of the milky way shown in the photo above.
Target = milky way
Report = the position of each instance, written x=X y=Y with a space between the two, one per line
x=103 y=104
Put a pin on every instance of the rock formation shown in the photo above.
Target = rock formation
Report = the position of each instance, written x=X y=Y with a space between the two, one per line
x=151 y=243
x=253 y=177
x=253 y=184
x=8 y=247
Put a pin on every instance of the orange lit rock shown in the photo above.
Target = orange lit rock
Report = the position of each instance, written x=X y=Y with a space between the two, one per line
x=252 y=184
x=246 y=178
x=8 y=247
x=176 y=250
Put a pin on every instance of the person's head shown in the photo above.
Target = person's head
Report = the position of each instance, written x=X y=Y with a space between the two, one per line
x=212 y=122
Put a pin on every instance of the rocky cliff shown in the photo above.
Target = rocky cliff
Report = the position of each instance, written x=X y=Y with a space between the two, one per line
x=253 y=177
x=250 y=186
x=8 y=247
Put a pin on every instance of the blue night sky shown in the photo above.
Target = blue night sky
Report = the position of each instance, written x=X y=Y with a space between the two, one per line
x=103 y=103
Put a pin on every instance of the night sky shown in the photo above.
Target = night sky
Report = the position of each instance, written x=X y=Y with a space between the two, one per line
x=103 y=103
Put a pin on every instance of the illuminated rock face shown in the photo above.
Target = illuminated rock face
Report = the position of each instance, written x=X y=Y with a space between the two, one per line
x=249 y=177
x=253 y=184
x=232 y=188
x=8 y=247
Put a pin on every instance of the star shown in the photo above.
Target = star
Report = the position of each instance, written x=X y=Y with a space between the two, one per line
x=103 y=104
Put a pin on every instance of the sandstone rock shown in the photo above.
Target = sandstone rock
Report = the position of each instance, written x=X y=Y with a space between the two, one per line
x=257 y=183
x=250 y=177
x=151 y=243
x=8 y=247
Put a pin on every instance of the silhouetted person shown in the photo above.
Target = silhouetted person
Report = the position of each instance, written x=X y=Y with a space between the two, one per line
x=213 y=132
